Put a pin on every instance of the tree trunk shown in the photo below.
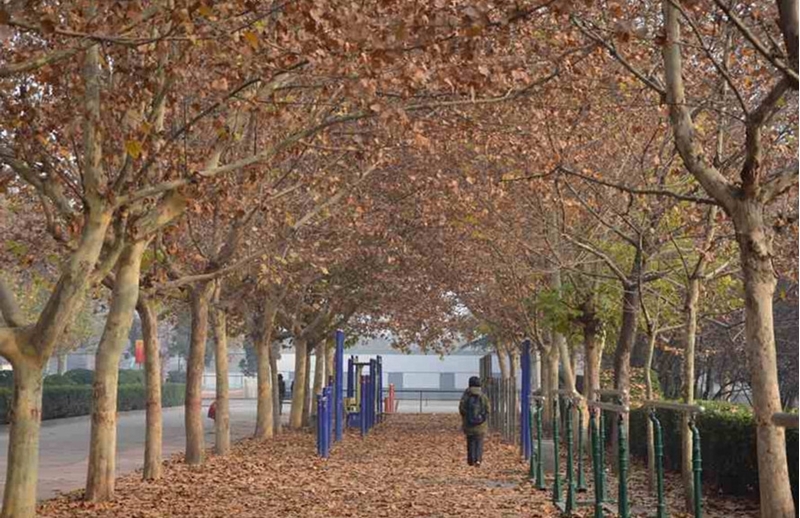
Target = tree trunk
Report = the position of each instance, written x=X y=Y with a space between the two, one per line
x=101 y=474
x=195 y=366
x=651 y=447
x=265 y=424
x=622 y=356
x=62 y=363
x=513 y=354
x=299 y=391
x=591 y=359
x=536 y=370
x=222 y=418
x=502 y=360
x=152 y=367
x=690 y=317
x=330 y=371
x=550 y=384
x=755 y=247
x=319 y=374
x=19 y=497
x=309 y=390
x=276 y=396
x=265 y=419
x=690 y=314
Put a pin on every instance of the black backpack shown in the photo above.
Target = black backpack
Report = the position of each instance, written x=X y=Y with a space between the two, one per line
x=475 y=413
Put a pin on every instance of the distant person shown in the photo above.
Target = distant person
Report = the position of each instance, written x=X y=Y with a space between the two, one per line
x=474 y=410
x=281 y=393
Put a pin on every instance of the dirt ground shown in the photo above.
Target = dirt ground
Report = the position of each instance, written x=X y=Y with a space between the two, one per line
x=411 y=465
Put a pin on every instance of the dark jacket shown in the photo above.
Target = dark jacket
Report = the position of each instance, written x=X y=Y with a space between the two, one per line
x=480 y=429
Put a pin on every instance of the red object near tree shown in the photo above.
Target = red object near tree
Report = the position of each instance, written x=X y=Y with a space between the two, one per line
x=212 y=411
x=139 y=352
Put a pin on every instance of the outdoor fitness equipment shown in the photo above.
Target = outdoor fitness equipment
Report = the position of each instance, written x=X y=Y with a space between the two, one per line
x=658 y=446
x=363 y=403
x=330 y=404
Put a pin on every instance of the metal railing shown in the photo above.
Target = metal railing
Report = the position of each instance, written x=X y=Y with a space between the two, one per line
x=425 y=401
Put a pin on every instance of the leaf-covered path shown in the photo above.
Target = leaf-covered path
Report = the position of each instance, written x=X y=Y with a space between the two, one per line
x=412 y=465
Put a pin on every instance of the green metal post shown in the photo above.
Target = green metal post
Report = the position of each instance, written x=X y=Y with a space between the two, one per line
x=539 y=468
x=598 y=493
x=623 y=469
x=602 y=445
x=534 y=454
x=581 y=478
x=697 y=468
x=556 y=474
x=570 y=503
x=661 y=510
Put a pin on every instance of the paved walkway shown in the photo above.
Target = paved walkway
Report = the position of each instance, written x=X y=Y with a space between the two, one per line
x=409 y=466
x=64 y=444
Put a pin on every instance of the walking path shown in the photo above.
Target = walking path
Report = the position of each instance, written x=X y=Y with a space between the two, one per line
x=64 y=444
x=412 y=465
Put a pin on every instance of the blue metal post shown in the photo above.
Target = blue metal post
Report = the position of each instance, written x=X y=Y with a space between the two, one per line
x=339 y=384
x=525 y=408
x=373 y=369
x=379 y=390
x=351 y=380
x=374 y=406
x=319 y=427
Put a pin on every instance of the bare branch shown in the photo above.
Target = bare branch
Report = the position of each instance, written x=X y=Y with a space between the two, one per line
x=758 y=44
x=682 y=125
x=631 y=190
x=605 y=258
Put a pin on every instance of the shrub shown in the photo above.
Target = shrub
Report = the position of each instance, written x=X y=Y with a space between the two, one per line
x=57 y=380
x=80 y=376
x=76 y=400
x=7 y=378
x=131 y=377
x=176 y=377
x=728 y=445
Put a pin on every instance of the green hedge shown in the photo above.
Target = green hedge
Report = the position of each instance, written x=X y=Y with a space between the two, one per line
x=728 y=443
x=76 y=400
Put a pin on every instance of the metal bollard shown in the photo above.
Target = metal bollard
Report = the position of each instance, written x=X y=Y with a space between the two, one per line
x=534 y=454
x=596 y=466
x=602 y=445
x=622 y=484
x=581 y=478
x=570 y=503
x=539 y=467
x=661 y=510
x=697 y=468
x=556 y=474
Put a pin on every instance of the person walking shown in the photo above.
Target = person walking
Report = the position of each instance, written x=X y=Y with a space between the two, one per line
x=474 y=410
x=281 y=393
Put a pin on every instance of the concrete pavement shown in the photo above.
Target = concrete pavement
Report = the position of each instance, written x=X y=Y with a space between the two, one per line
x=64 y=444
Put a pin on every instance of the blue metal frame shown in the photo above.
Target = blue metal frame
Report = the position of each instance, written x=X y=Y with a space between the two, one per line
x=339 y=384
x=525 y=409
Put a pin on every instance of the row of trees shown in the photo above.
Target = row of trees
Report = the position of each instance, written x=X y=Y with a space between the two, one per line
x=583 y=175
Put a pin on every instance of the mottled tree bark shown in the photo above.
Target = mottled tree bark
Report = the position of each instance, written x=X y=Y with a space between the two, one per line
x=152 y=367
x=195 y=366
x=101 y=475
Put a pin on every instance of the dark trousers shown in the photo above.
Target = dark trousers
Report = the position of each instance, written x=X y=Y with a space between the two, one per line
x=474 y=449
